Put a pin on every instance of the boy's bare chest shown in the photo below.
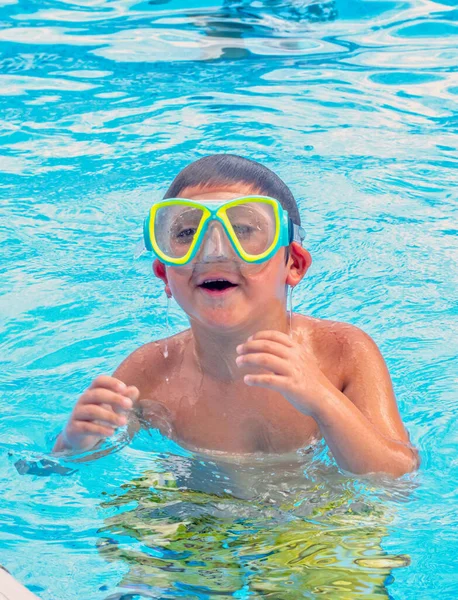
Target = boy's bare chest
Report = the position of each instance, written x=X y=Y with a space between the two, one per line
x=238 y=421
x=233 y=417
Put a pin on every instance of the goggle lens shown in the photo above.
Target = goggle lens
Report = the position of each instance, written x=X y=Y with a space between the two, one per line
x=175 y=227
x=253 y=225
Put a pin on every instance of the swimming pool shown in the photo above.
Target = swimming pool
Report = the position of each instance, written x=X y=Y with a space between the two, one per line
x=101 y=103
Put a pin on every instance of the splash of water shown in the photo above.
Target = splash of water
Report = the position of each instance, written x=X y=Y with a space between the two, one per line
x=139 y=249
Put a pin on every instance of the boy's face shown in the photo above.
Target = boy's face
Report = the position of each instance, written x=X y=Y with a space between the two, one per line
x=217 y=288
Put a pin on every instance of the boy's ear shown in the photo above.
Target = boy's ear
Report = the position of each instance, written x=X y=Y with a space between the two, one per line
x=160 y=271
x=299 y=262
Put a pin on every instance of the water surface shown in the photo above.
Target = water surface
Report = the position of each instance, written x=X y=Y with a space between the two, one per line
x=101 y=104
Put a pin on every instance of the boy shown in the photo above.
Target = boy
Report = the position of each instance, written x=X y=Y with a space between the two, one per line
x=243 y=378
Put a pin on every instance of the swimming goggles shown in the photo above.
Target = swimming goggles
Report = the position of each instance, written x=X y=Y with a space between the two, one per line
x=257 y=226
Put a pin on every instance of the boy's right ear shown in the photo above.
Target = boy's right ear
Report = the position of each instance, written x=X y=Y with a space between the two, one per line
x=160 y=271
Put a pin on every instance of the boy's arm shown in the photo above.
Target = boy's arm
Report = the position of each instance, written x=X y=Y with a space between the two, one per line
x=100 y=410
x=368 y=385
x=108 y=403
x=362 y=426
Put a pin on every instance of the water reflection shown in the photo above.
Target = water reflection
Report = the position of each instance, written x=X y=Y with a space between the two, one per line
x=277 y=527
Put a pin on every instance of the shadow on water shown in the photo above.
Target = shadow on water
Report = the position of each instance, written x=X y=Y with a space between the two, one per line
x=295 y=10
x=239 y=19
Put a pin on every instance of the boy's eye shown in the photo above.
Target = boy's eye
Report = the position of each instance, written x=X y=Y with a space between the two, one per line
x=243 y=230
x=185 y=235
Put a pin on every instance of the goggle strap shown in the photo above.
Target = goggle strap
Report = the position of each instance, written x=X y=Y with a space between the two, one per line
x=296 y=232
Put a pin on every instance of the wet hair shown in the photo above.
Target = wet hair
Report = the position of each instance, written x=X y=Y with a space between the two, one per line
x=230 y=169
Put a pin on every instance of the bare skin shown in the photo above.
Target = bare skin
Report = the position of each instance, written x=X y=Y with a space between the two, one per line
x=238 y=382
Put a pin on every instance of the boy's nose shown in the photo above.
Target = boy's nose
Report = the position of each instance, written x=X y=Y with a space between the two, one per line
x=215 y=244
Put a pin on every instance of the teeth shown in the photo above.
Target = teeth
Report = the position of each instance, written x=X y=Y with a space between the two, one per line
x=212 y=280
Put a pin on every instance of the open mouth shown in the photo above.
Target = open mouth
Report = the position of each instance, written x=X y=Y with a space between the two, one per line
x=217 y=285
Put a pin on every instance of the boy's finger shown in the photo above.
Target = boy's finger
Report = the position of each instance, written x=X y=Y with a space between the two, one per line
x=265 y=361
x=274 y=336
x=264 y=345
x=267 y=380
x=103 y=396
x=132 y=392
x=109 y=383
x=89 y=428
x=91 y=412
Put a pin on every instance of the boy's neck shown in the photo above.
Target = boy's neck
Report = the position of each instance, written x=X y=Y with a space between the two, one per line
x=215 y=352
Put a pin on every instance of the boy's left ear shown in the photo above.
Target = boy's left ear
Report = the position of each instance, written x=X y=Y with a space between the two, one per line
x=160 y=271
x=299 y=262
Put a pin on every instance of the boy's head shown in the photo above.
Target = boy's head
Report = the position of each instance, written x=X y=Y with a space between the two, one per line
x=229 y=171
x=199 y=286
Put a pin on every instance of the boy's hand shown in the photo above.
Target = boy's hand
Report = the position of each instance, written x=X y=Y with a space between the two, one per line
x=291 y=370
x=101 y=409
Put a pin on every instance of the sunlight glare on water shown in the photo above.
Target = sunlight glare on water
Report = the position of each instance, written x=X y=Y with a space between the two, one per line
x=354 y=105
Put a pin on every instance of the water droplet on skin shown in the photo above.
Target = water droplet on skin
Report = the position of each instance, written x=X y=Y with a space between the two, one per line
x=165 y=352
x=167 y=330
x=290 y=310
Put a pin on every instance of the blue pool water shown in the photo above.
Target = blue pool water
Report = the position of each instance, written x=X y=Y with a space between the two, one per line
x=102 y=102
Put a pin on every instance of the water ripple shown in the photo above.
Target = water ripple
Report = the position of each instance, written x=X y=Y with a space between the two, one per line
x=101 y=103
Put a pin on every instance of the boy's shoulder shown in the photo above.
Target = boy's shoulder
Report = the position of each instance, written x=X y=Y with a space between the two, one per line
x=344 y=352
x=152 y=360
x=327 y=330
x=334 y=339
